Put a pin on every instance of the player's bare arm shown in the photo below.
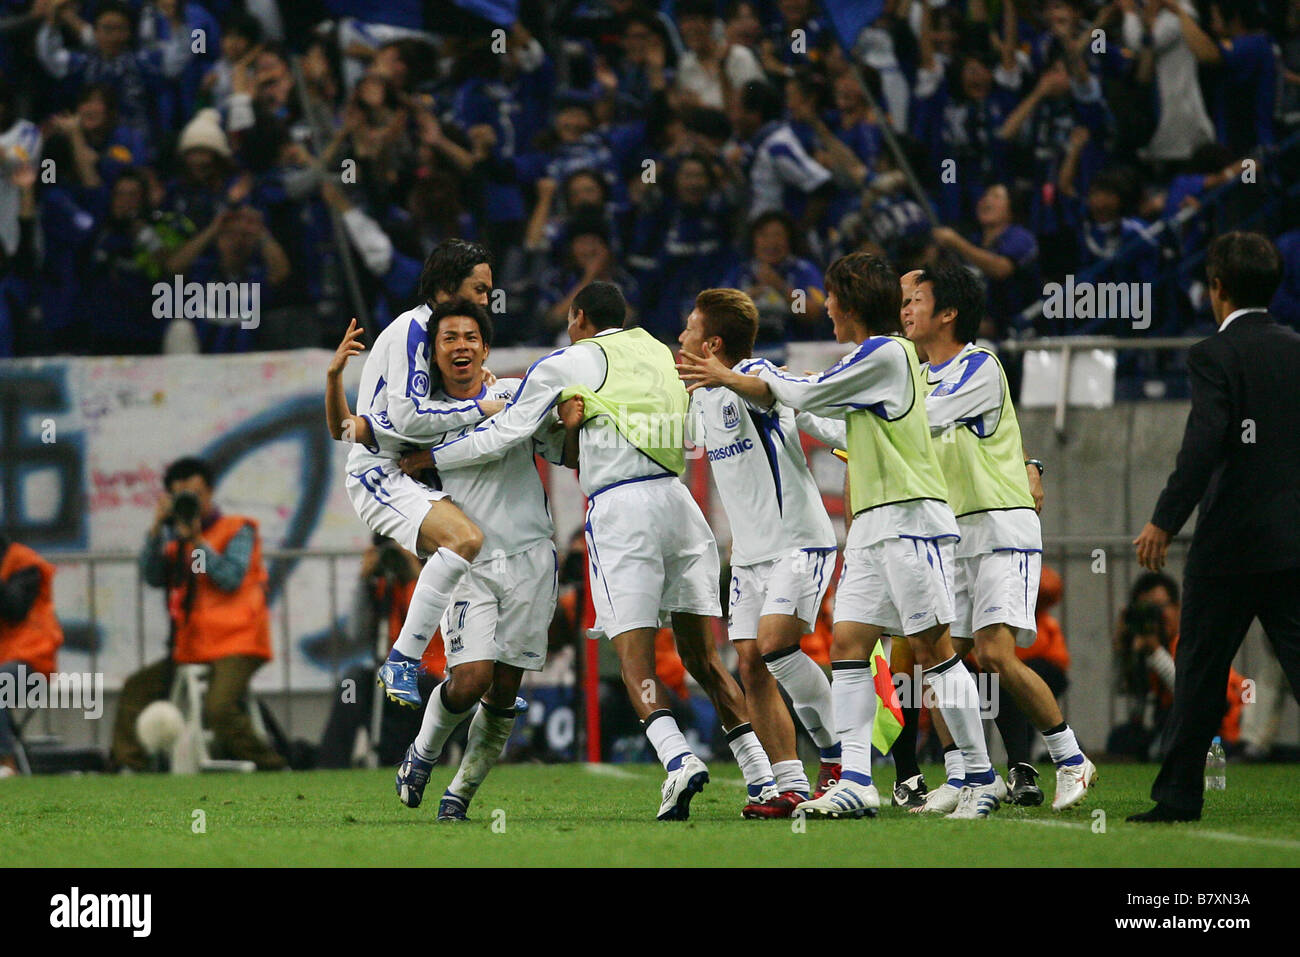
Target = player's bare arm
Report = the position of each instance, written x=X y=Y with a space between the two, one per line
x=707 y=371
x=343 y=425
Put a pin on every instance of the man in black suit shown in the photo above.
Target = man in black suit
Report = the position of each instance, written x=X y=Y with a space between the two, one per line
x=1240 y=459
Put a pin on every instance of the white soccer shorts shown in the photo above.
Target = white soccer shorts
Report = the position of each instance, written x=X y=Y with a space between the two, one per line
x=998 y=588
x=651 y=552
x=502 y=609
x=392 y=503
x=903 y=585
x=794 y=584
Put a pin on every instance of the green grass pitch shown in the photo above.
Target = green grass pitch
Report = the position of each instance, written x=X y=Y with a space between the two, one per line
x=574 y=815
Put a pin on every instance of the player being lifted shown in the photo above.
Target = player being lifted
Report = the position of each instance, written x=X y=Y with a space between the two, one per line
x=782 y=549
x=897 y=576
x=395 y=414
x=649 y=546
x=999 y=556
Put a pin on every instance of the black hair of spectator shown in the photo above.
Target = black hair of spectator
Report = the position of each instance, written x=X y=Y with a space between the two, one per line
x=705 y=9
x=708 y=122
x=786 y=220
x=185 y=468
x=603 y=305
x=462 y=307
x=1123 y=181
x=702 y=159
x=1249 y=12
x=1248 y=267
x=242 y=23
x=137 y=175
x=122 y=9
x=104 y=91
x=867 y=286
x=450 y=263
x=761 y=97
x=587 y=220
x=813 y=86
x=419 y=57
x=1149 y=581
x=591 y=174
x=955 y=287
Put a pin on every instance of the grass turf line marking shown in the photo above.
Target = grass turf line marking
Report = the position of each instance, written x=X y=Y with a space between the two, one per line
x=1182 y=832
x=610 y=771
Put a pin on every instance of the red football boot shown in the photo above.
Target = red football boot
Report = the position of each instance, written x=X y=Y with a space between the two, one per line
x=781 y=805
x=827 y=775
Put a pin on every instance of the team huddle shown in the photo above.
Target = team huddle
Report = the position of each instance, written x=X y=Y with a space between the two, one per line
x=942 y=556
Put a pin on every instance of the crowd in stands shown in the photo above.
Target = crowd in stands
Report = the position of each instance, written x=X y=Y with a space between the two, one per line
x=318 y=149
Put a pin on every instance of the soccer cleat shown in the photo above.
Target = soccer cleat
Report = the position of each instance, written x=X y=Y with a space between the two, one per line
x=680 y=786
x=843 y=799
x=827 y=776
x=980 y=800
x=1022 y=783
x=452 y=807
x=398 y=677
x=1072 y=783
x=776 y=806
x=942 y=800
x=412 y=776
x=911 y=792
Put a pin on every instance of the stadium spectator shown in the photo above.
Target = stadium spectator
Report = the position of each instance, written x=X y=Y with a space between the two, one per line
x=781 y=174
x=588 y=258
x=30 y=634
x=712 y=70
x=1184 y=125
x=210 y=564
x=18 y=253
x=786 y=288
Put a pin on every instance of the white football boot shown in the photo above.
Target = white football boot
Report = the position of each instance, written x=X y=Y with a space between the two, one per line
x=942 y=800
x=1072 y=783
x=843 y=799
x=680 y=786
x=980 y=800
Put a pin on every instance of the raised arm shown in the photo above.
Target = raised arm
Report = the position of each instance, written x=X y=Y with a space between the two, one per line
x=869 y=375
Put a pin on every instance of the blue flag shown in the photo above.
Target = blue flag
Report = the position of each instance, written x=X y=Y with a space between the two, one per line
x=503 y=13
x=851 y=17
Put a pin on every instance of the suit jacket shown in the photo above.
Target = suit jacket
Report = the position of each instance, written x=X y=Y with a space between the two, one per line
x=1240 y=457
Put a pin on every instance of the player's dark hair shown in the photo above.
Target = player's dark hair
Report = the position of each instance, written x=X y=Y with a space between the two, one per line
x=603 y=305
x=732 y=316
x=1148 y=581
x=867 y=286
x=462 y=307
x=955 y=287
x=1248 y=267
x=187 y=467
x=761 y=97
x=450 y=263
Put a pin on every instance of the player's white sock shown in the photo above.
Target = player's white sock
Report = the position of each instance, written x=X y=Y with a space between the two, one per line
x=1062 y=746
x=751 y=757
x=954 y=768
x=666 y=738
x=958 y=701
x=853 y=693
x=488 y=734
x=437 y=725
x=790 y=776
x=432 y=595
x=809 y=690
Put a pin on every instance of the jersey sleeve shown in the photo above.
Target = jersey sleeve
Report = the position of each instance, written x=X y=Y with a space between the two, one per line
x=974 y=398
x=832 y=432
x=865 y=378
x=412 y=415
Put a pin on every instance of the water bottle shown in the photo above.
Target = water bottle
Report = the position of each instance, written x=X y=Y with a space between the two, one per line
x=1216 y=767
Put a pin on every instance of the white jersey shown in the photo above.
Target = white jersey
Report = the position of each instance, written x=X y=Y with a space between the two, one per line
x=504 y=497
x=875 y=377
x=968 y=393
x=394 y=395
x=761 y=474
x=606 y=459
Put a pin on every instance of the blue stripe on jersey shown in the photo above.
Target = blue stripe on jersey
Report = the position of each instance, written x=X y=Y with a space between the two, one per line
x=972 y=363
x=643 y=478
x=762 y=422
x=869 y=345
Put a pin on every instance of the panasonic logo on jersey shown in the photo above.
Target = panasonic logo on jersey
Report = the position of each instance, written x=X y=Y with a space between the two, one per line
x=727 y=451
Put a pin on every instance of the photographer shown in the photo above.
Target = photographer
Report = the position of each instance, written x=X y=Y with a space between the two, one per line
x=211 y=566
x=1146 y=643
x=379 y=604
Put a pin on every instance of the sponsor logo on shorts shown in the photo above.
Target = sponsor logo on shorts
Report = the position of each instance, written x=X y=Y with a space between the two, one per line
x=781 y=601
x=727 y=451
x=992 y=608
x=457 y=646
x=530 y=654
x=918 y=615
x=730 y=415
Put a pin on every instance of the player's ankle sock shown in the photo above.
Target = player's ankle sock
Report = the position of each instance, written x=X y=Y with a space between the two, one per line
x=489 y=730
x=958 y=701
x=429 y=600
x=831 y=754
x=790 y=776
x=806 y=684
x=666 y=738
x=1062 y=746
x=904 y=749
x=953 y=767
x=437 y=725
x=751 y=757
x=854 y=694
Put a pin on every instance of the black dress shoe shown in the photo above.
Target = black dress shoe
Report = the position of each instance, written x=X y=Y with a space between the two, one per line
x=1164 y=814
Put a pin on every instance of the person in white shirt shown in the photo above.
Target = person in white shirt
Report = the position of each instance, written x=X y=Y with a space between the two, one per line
x=782 y=549
x=394 y=413
x=650 y=549
x=712 y=70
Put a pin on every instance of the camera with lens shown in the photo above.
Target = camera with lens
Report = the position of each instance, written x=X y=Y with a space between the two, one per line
x=185 y=509
x=1140 y=619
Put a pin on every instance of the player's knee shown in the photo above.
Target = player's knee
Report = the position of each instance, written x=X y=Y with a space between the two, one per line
x=991 y=658
x=466 y=541
x=753 y=671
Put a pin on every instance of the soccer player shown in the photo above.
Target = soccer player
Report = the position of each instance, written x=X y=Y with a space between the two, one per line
x=394 y=414
x=897 y=576
x=999 y=555
x=496 y=626
x=649 y=546
x=782 y=550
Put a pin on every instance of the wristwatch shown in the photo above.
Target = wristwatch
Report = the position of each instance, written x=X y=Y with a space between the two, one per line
x=1036 y=464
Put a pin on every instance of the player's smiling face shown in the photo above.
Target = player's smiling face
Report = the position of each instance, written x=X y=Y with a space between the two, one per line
x=477 y=286
x=920 y=324
x=459 y=351
x=908 y=285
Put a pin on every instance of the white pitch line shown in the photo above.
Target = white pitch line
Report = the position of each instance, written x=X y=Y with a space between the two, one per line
x=610 y=771
x=1181 y=832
